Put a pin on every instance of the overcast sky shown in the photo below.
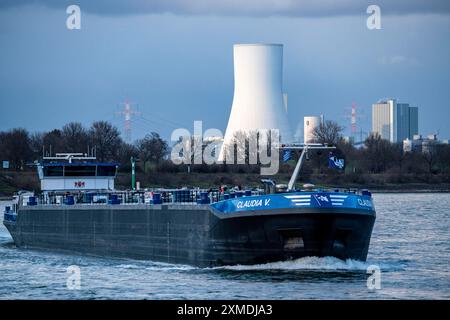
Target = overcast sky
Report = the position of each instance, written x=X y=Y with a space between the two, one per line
x=174 y=60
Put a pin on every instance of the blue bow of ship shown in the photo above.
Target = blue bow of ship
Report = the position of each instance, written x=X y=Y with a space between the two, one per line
x=298 y=200
x=79 y=210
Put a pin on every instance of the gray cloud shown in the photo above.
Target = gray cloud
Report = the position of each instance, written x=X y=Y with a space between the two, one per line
x=300 y=8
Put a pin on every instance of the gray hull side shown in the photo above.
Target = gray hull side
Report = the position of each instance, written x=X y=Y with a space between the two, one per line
x=194 y=235
x=140 y=232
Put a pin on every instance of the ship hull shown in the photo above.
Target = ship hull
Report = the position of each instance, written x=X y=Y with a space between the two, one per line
x=195 y=235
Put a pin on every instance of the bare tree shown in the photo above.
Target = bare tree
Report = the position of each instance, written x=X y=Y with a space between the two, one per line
x=443 y=158
x=399 y=155
x=126 y=151
x=3 y=153
x=75 y=137
x=378 y=153
x=430 y=157
x=152 y=148
x=106 y=139
x=15 y=146
x=328 y=132
x=53 y=141
x=37 y=143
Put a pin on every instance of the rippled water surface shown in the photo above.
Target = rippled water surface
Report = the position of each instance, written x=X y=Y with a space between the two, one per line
x=410 y=244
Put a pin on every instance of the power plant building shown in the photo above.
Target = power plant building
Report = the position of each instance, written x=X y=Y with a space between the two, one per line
x=394 y=121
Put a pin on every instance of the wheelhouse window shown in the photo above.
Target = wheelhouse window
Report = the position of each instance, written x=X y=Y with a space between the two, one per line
x=106 y=171
x=53 y=171
x=79 y=171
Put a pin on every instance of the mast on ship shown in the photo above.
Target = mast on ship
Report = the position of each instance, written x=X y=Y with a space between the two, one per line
x=305 y=147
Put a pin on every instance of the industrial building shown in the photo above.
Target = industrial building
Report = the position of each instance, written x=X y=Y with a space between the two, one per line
x=395 y=121
x=422 y=144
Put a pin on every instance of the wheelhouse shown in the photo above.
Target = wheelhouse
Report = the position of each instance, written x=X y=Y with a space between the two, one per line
x=91 y=169
x=76 y=172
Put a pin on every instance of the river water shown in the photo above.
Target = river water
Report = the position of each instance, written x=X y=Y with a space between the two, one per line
x=410 y=246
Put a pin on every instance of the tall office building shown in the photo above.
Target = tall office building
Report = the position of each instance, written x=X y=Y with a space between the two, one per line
x=413 y=121
x=394 y=121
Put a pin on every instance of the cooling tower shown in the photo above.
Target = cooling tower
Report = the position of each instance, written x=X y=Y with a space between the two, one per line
x=258 y=101
x=309 y=124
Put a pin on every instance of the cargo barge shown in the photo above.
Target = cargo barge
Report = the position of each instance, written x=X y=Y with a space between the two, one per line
x=80 y=211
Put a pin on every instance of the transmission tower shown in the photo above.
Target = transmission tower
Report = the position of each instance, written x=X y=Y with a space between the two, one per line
x=354 y=118
x=127 y=113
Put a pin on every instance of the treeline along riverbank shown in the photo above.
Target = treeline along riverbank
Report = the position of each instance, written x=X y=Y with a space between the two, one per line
x=378 y=164
x=13 y=181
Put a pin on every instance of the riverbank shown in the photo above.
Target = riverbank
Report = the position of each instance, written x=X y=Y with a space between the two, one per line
x=12 y=182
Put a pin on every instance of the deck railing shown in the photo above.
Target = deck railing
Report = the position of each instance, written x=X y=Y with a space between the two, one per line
x=149 y=197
